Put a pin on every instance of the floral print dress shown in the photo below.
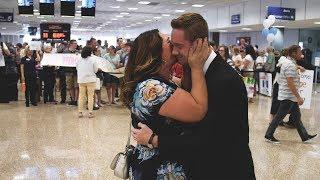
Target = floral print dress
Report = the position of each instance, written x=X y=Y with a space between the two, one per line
x=146 y=163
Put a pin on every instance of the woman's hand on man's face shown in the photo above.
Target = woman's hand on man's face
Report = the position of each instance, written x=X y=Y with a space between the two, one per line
x=198 y=53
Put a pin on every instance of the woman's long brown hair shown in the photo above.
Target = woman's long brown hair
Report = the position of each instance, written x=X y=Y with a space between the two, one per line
x=144 y=62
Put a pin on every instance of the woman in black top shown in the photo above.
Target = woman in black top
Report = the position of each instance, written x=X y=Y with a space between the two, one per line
x=29 y=75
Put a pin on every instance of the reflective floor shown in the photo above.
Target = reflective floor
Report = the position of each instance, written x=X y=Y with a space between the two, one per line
x=50 y=142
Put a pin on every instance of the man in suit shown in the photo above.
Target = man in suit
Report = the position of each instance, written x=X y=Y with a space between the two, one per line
x=218 y=146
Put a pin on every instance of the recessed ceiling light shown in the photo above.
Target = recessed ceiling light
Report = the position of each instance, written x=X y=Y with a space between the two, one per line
x=121 y=0
x=157 y=17
x=128 y=26
x=144 y=2
x=197 y=5
x=125 y=13
x=183 y=3
x=109 y=22
x=148 y=20
x=119 y=16
x=180 y=10
x=132 y=9
x=167 y=15
x=4 y=28
x=246 y=29
x=316 y=22
x=114 y=19
x=115 y=7
x=139 y=23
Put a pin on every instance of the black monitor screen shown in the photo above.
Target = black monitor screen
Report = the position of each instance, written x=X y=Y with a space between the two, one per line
x=88 y=8
x=32 y=31
x=25 y=6
x=46 y=7
x=55 y=31
x=67 y=7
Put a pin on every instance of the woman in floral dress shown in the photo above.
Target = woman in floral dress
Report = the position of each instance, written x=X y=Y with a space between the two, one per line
x=155 y=101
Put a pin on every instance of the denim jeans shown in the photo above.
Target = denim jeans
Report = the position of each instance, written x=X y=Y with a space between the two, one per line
x=286 y=107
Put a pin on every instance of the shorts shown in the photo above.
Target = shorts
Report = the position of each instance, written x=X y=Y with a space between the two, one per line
x=110 y=79
x=72 y=81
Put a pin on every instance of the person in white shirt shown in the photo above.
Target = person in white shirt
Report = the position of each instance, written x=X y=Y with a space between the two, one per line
x=248 y=64
x=3 y=77
x=261 y=60
x=86 y=68
x=248 y=60
x=111 y=82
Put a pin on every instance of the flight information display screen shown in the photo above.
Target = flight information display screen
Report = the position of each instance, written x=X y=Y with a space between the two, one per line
x=88 y=8
x=46 y=7
x=55 y=31
x=67 y=7
x=25 y=6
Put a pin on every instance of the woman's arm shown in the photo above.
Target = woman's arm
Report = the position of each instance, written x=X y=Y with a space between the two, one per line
x=22 y=73
x=38 y=58
x=191 y=107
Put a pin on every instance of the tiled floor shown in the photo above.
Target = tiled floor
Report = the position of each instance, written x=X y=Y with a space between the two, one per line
x=50 y=142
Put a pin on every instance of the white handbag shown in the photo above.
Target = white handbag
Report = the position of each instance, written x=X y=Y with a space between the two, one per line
x=97 y=84
x=120 y=163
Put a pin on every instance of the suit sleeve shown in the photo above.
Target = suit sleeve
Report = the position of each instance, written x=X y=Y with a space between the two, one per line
x=178 y=146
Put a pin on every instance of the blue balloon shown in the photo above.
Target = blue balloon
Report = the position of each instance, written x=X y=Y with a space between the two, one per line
x=265 y=31
x=274 y=30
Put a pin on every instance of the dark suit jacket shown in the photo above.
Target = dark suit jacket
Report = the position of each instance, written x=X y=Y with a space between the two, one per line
x=217 y=147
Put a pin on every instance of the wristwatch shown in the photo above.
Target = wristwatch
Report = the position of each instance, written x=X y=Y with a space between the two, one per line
x=150 y=145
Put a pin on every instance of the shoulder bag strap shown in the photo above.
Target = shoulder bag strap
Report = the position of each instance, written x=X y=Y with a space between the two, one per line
x=129 y=135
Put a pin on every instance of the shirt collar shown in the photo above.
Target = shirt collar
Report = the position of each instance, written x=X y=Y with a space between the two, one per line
x=209 y=61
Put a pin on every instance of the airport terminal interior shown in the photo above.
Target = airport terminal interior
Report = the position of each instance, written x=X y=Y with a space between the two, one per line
x=63 y=114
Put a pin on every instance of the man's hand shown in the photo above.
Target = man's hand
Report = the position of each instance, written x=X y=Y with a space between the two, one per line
x=300 y=101
x=142 y=135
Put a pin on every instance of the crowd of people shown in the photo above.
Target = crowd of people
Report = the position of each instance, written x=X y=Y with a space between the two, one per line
x=40 y=83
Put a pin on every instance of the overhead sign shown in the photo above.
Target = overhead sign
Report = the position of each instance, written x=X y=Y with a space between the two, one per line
x=282 y=13
x=235 y=19
x=6 y=17
x=55 y=31
x=305 y=90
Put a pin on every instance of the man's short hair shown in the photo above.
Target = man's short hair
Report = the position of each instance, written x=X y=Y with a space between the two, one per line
x=193 y=24
x=293 y=49
x=73 y=41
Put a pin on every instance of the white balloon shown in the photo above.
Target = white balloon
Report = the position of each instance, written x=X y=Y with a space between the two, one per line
x=270 y=37
x=267 y=23
x=272 y=18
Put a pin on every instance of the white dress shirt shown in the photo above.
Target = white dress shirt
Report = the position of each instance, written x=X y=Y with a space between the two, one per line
x=209 y=61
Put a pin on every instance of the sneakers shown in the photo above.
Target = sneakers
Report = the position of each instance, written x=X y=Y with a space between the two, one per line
x=95 y=108
x=73 y=103
x=309 y=138
x=272 y=140
x=80 y=115
x=91 y=115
